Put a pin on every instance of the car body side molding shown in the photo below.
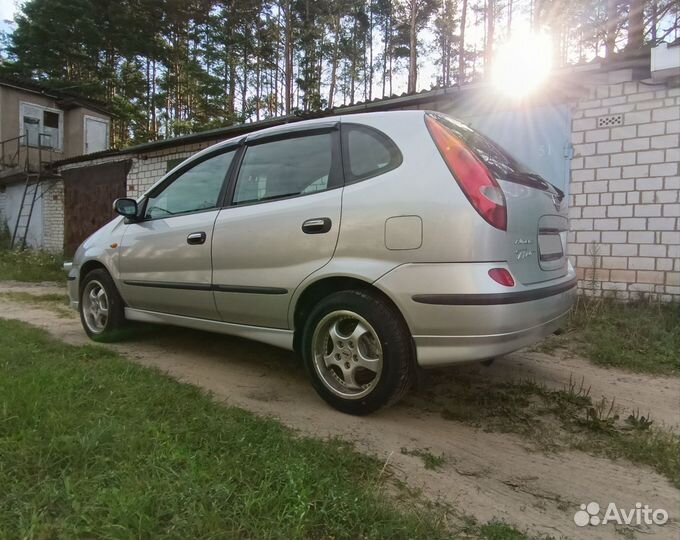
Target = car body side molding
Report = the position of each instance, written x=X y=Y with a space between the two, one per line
x=494 y=299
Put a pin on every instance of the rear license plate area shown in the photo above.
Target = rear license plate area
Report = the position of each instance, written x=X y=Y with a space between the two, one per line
x=550 y=249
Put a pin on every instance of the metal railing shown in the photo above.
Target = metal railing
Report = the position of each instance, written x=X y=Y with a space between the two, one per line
x=18 y=155
x=10 y=152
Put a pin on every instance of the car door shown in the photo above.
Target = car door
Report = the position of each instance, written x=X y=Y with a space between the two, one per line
x=165 y=260
x=279 y=225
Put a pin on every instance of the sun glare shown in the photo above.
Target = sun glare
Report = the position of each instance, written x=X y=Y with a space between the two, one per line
x=522 y=64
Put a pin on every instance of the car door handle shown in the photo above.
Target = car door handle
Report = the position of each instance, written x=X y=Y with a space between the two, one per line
x=196 y=238
x=317 y=225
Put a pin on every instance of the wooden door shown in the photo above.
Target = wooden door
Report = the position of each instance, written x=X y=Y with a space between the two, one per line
x=89 y=193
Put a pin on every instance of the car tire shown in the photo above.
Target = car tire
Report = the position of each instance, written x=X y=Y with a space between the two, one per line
x=102 y=310
x=358 y=351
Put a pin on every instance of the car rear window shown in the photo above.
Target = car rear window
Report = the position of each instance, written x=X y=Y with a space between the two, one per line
x=498 y=160
x=368 y=152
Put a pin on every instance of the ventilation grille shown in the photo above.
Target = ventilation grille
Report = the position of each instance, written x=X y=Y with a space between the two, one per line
x=609 y=121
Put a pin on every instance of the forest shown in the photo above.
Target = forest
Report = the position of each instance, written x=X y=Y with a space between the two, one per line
x=171 y=67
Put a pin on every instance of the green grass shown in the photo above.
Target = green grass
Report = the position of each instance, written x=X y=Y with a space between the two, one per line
x=641 y=336
x=430 y=460
x=92 y=446
x=497 y=530
x=552 y=420
x=30 y=265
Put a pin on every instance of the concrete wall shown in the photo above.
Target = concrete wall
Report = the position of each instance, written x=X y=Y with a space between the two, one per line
x=74 y=131
x=73 y=119
x=13 y=195
x=625 y=185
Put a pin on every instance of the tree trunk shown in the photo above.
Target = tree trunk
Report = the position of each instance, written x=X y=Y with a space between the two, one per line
x=370 y=52
x=386 y=40
x=413 y=53
x=334 y=63
x=490 y=29
x=288 y=56
x=461 y=52
x=636 y=24
x=610 y=39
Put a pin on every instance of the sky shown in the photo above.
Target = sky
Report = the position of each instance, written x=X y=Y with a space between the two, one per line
x=7 y=9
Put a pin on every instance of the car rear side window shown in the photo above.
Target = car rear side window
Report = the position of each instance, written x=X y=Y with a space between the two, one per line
x=368 y=152
x=285 y=168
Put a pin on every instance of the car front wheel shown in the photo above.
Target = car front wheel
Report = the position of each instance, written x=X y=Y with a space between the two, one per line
x=357 y=350
x=101 y=307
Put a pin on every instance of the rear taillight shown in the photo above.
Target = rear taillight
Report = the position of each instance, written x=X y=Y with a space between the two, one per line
x=502 y=276
x=479 y=186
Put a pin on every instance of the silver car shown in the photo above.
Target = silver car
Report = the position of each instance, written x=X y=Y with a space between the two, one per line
x=371 y=244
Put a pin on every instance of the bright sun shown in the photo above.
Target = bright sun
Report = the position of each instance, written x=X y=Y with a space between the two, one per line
x=522 y=64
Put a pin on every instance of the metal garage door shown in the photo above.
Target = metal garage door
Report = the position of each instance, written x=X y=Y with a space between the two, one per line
x=88 y=196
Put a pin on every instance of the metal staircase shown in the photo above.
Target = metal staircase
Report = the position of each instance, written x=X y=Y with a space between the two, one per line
x=17 y=161
x=28 y=199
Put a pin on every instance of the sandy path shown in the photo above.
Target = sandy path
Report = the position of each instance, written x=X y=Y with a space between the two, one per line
x=486 y=475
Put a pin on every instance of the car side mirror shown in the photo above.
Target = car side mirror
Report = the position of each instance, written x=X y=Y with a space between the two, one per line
x=126 y=208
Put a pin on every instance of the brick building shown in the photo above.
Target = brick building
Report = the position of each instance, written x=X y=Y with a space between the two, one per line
x=625 y=186
x=607 y=133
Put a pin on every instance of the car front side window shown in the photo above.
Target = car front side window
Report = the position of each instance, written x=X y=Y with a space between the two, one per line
x=195 y=189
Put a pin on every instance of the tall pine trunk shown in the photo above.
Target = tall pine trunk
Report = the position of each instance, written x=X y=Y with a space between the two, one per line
x=636 y=24
x=610 y=38
x=461 y=52
x=413 y=53
x=288 y=56
x=334 y=63
x=490 y=30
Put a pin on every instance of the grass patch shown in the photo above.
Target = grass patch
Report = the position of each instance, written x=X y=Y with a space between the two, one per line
x=553 y=420
x=431 y=461
x=497 y=530
x=59 y=303
x=641 y=336
x=92 y=446
x=31 y=265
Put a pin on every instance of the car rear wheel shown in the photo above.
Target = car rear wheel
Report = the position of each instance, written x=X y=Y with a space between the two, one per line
x=101 y=307
x=357 y=350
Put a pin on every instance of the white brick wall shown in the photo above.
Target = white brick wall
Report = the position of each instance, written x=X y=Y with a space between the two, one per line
x=625 y=191
x=53 y=216
x=151 y=167
x=3 y=202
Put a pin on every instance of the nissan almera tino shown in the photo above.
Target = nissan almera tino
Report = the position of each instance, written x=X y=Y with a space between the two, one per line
x=372 y=245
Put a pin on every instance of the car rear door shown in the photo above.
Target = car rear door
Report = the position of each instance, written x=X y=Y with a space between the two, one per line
x=280 y=223
x=165 y=259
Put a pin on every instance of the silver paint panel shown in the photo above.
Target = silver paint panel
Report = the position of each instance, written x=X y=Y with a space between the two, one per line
x=263 y=245
x=271 y=336
x=157 y=251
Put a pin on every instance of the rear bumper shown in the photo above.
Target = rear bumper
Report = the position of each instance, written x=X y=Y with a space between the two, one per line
x=467 y=318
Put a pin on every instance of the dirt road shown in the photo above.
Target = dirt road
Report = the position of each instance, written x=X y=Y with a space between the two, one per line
x=485 y=475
